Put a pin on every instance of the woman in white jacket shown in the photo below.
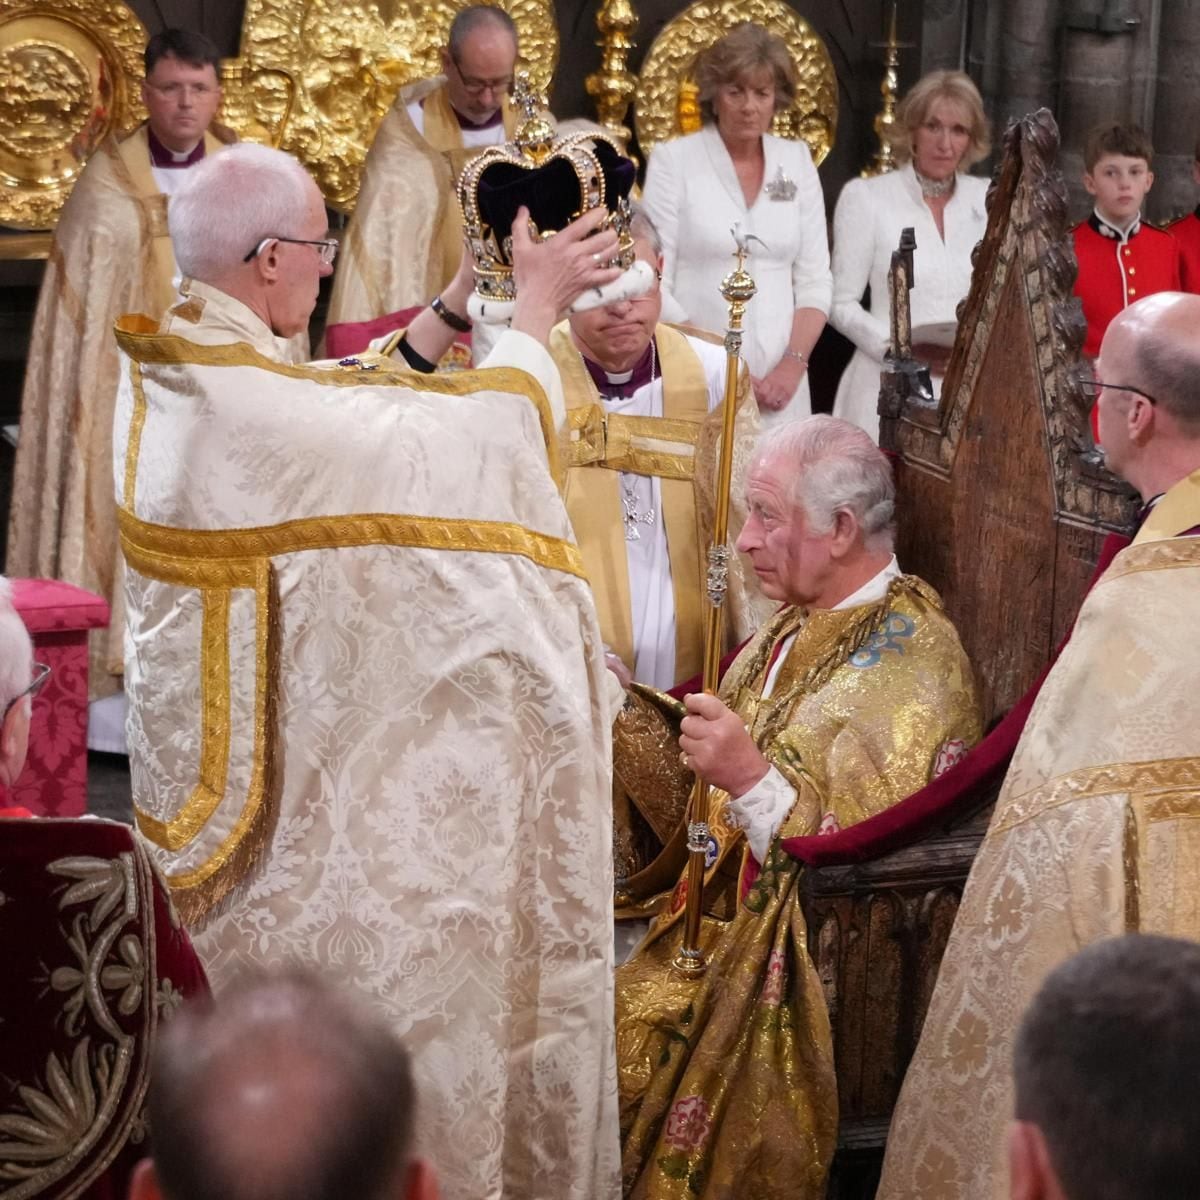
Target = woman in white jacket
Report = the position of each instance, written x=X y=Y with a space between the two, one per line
x=733 y=172
x=941 y=131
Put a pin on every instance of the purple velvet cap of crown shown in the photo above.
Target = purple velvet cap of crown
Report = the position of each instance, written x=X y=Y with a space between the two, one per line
x=551 y=192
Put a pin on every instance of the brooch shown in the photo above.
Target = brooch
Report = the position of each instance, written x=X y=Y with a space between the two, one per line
x=781 y=188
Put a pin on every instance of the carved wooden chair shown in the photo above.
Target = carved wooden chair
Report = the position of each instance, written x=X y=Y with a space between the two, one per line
x=1004 y=506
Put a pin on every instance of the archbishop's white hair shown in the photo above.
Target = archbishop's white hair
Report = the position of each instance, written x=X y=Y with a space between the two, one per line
x=230 y=202
x=16 y=648
x=833 y=466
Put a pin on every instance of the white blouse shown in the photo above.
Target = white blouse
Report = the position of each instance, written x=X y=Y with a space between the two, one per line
x=693 y=196
x=867 y=222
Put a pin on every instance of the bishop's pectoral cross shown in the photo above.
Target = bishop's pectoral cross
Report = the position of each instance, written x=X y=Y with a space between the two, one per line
x=632 y=515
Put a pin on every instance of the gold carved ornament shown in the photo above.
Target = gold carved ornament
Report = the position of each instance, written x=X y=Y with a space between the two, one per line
x=667 y=88
x=69 y=75
x=322 y=74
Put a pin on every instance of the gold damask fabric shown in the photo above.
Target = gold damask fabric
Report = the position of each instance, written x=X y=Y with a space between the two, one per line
x=111 y=254
x=369 y=726
x=727 y=1085
x=1096 y=833
x=404 y=241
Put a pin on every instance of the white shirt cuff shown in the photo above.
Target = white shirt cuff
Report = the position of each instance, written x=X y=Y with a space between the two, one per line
x=761 y=811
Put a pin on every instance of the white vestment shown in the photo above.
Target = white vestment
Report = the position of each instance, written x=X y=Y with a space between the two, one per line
x=651 y=594
x=868 y=220
x=693 y=196
x=369 y=726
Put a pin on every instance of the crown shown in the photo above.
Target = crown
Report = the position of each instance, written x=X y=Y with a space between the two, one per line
x=556 y=178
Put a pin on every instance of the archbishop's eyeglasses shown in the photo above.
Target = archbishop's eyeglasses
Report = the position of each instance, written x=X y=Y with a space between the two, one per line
x=474 y=86
x=41 y=672
x=327 y=252
x=1093 y=387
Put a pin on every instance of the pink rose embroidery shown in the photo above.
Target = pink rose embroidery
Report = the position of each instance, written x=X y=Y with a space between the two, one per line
x=688 y=1124
x=829 y=824
x=953 y=751
x=772 y=989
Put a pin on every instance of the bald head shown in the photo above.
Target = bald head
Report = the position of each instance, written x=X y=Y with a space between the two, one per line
x=1148 y=411
x=1158 y=340
x=282 y=1089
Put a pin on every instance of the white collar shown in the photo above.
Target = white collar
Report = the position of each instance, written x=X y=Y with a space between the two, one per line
x=874 y=589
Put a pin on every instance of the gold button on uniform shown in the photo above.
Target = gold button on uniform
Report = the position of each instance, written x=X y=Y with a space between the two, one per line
x=1133 y=270
x=1133 y=291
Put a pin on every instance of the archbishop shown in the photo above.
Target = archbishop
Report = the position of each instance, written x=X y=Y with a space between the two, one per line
x=369 y=727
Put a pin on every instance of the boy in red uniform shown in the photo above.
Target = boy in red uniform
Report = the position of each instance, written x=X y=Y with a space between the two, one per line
x=1186 y=232
x=1121 y=257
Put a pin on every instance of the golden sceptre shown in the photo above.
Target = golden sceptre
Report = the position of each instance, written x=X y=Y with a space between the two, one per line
x=738 y=289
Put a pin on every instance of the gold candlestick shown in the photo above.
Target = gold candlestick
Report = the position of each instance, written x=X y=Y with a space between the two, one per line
x=889 y=88
x=612 y=87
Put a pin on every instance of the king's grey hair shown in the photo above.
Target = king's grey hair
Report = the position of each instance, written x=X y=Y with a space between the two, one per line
x=230 y=202
x=833 y=466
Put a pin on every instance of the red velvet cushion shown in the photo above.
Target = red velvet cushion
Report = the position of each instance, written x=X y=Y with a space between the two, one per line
x=49 y=605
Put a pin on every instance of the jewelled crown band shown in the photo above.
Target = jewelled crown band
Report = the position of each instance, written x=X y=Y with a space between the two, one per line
x=557 y=180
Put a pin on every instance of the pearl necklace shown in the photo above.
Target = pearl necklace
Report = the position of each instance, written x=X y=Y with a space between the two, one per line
x=931 y=189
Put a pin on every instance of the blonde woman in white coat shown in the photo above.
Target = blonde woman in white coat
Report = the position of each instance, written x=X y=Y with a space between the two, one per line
x=735 y=173
x=941 y=131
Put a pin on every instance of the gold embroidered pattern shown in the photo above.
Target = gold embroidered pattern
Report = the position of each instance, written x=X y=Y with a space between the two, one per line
x=1112 y=778
x=644 y=445
x=221 y=557
x=214 y=732
x=137 y=423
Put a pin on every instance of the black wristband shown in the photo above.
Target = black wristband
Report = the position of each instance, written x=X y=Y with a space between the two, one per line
x=415 y=360
x=451 y=318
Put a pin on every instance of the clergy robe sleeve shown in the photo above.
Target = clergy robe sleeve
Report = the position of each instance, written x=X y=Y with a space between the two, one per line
x=761 y=811
x=812 y=282
x=661 y=198
x=854 y=251
x=519 y=350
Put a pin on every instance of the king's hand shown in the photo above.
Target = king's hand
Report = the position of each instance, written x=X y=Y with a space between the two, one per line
x=717 y=747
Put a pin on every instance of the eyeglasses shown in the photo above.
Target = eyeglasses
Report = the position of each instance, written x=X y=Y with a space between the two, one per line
x=41 y=672
x=327 y=252
x=476 y=87
x=176 y=91
x=1092 y=388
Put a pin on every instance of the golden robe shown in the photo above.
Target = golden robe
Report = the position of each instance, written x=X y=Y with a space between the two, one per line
x=1096 y=833
x=405 y=238
x=111 y=254
x=369 y=719
x=727 y=1083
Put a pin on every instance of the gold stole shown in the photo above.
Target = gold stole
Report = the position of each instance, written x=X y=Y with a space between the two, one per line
x=663 y=446
x=158 y=256
x=444 y=134
x=1179 y=509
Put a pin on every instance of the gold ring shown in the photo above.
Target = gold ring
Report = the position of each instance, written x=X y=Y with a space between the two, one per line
x=683 y=758
x=597 y=259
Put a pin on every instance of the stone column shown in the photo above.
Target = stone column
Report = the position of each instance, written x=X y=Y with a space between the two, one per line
x=1176 y=125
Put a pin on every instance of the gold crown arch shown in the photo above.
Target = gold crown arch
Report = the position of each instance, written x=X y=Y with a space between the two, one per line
x=69 y=75
x=667 y=85
x=340 y=63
